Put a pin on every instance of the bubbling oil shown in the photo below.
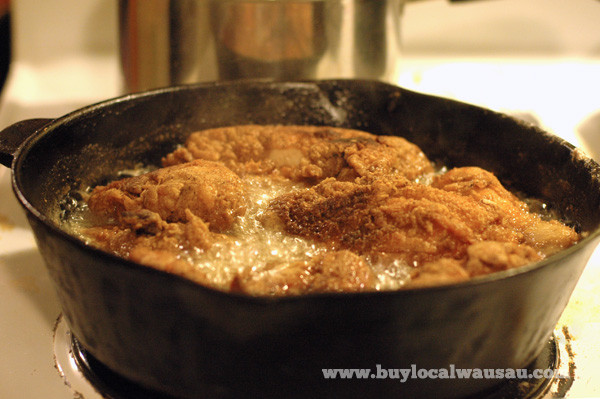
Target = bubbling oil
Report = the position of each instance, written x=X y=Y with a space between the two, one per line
x=257 y=247
x=250 y=246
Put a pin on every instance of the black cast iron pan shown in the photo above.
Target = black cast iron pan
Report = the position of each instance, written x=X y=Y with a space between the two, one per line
x=189 y=341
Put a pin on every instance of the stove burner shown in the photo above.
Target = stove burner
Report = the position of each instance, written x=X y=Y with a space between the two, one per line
x=90 y=379
x=114 y=386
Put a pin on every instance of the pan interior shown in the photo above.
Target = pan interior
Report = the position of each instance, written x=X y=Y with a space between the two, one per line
x=89 y=146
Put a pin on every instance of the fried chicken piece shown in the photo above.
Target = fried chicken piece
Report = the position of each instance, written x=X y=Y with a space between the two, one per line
x=169 y=262
x=152 y=219
x=192 y=233
x=162 y=248
x=482 y=258
x=414 y=221
x=364 y=203
x=419 y=223
x=336 y=271
x=492 y=256
x=549 y=236
x=304 y=153
x=207 y=189
x=546 y=237
x=439 y=272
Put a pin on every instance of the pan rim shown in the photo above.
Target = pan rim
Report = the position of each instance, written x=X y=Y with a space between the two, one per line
x=592 y=238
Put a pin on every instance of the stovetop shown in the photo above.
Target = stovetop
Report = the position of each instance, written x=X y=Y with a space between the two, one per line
x=557 y=89
x=36 y=350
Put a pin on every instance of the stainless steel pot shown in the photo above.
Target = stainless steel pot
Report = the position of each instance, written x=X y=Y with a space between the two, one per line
x=166 y=42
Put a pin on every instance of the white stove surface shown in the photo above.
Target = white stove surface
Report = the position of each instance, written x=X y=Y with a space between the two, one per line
x=559 y=85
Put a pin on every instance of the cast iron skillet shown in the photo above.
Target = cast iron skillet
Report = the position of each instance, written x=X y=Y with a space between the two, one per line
x=189 y=341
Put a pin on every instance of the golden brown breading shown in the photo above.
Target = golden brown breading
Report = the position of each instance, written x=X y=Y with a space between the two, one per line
x=207 y=189
x=417 y=222
x=414 y=221
x=155 y=218
x=483 y=257
x=335 y=271
x=162 y=248
x=486 y=257
x=304 y=153
x=357 y=197
x=546 y=237
x=438 y=272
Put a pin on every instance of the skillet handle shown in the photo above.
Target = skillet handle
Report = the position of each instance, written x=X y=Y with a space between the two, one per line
x=13 y=136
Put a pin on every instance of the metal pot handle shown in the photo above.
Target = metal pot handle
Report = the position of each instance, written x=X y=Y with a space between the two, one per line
x=13 y=136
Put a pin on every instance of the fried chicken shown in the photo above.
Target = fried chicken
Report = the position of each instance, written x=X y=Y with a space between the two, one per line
x=356 y=197
x=304 y=153
x=156 y=217
x=335 y=271
x=162 y=247
x=418 y=223
x=481 y=258
x=207 y=189
x=547 y=237
x=487 y=257
x=439 y=272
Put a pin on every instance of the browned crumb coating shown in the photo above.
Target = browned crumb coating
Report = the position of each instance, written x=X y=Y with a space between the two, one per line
x=335 y=271
x=207 y=189
x=304 y=153
x=465 y=216
x=362 y=200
